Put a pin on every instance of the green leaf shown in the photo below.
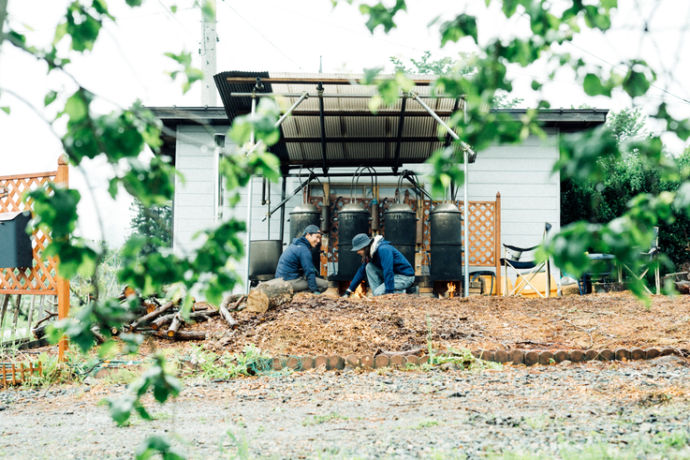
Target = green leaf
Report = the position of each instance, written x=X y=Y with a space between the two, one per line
x=134 y=3
x=380 y=15
x=77 y=106
x=5 y=109
x=463 y=25
x=208 y=10
x=49 y=98
x=592 y=85
x=638 y=79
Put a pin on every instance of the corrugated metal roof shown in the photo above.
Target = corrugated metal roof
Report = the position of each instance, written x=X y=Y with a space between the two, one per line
x=353 y=135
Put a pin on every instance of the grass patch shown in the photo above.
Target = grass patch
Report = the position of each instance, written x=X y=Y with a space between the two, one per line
x=320 y=419
x=213 y=366
x=426 y=424
x=666 y=445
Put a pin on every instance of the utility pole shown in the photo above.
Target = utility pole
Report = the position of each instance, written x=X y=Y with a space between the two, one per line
x=208 y=58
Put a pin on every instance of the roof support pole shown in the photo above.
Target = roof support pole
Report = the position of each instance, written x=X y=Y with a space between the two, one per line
x=466 y=214
x=280 y=120
x=250 y=197
x=322 y=122
x=401 y=123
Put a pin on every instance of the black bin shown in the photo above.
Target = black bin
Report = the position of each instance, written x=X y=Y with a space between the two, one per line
x=15 y=243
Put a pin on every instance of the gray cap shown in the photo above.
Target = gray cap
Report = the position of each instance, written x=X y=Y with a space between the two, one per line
x=360 y=241
x=311 y=229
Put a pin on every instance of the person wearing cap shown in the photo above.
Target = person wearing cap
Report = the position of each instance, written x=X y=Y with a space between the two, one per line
x=296 y=266
x=386 y=269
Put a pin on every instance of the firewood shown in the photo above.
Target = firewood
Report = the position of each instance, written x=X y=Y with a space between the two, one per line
x=182 y=335
x=683 y=287
x=154 y=314
x=269 y=294
x=98 y=335
x=126 y=292
x=40 y=331
x=175 y=325
x=161 y=320
x=225 y=314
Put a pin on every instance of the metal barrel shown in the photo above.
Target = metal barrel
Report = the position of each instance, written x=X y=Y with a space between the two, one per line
x=263 y=258
x=446 y=243
x=352 y=219
x=400 y=228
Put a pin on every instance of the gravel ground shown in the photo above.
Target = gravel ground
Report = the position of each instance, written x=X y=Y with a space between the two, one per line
x=595 y=409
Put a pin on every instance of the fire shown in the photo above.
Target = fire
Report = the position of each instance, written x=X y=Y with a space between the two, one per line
x=451 y=289
x=360 y=292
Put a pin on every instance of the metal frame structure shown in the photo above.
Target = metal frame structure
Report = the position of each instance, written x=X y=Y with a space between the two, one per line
x=258 y=84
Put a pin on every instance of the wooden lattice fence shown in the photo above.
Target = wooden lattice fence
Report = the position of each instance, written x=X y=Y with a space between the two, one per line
x=41 y=278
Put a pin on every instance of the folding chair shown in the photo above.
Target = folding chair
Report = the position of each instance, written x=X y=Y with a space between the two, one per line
x=650 y=256
x=525 y=270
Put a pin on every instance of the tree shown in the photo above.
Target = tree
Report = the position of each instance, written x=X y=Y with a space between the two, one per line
x=153 y=223
x=625 y=178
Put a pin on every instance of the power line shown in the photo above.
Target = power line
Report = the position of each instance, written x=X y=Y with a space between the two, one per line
x=262 y=35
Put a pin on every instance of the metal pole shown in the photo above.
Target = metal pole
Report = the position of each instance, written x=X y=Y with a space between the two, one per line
x=250 y=197
x=466 y=215
x=277 y=123
x=282 y=209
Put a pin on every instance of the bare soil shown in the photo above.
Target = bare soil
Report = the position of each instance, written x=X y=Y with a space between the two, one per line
x=320 y=325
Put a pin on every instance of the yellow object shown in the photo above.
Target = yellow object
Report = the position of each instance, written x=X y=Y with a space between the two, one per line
x=538 y=281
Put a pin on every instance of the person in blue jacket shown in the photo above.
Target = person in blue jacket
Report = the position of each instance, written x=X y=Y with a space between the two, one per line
x=296 y=266
x=386 y=269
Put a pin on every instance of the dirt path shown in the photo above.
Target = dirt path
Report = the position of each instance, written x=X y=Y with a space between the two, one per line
x=318 y=325
x=554 y=411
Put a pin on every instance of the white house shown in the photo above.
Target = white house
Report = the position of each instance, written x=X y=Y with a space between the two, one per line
x=331 y=132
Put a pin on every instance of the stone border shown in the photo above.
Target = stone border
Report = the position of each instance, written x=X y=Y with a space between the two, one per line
x=516 y=356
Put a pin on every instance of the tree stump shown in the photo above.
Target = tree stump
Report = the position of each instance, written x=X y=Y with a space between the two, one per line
x=269 y=294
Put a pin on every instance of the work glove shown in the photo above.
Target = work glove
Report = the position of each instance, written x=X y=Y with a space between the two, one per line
x=346 y=294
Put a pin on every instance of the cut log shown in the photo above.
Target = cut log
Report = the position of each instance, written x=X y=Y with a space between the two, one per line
x=40 y=331
x=150 y=316
x=683 y=287
x=98 y=335
x=183 y=335
x=225 y=314
x=269 y=294
x=175 y=325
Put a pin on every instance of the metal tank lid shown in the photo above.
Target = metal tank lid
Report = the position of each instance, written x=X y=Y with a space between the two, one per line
x=305 y=208
x=399 y=207
x=353 y=207
x=446 y=207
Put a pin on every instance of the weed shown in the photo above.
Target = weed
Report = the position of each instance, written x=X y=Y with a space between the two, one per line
x=319 y=419
x=121 y=375
x=241 y=445
x=426 y=424
x=537 y=423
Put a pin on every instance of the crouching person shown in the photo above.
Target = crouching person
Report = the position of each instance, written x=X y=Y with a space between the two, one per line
x=386 y=269
x=296 y=266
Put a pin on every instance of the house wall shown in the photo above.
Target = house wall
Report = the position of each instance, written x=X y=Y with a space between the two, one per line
x=530 y=194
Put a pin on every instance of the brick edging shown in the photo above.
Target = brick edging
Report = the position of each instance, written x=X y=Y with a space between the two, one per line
x=515 y=356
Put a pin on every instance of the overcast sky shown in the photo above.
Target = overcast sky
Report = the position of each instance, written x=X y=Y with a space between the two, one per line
x=290 y=36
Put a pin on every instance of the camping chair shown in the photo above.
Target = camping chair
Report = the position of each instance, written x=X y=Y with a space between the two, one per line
x=650 y=257
x=525 y=270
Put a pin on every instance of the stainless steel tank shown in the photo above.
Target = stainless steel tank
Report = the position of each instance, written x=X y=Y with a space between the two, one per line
x=263 y=258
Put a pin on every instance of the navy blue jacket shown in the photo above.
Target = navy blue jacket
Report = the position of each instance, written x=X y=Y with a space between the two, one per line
x=296 y=261
x=388 y=259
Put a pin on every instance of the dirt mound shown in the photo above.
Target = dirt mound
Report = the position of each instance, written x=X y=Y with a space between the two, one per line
x=319 y=325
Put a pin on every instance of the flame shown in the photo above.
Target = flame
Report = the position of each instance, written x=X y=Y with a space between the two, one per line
x=451 y=289
x=360 y=292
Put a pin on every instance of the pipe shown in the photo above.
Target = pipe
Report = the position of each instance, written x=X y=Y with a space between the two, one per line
x=282 y=209
x=295 y=192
